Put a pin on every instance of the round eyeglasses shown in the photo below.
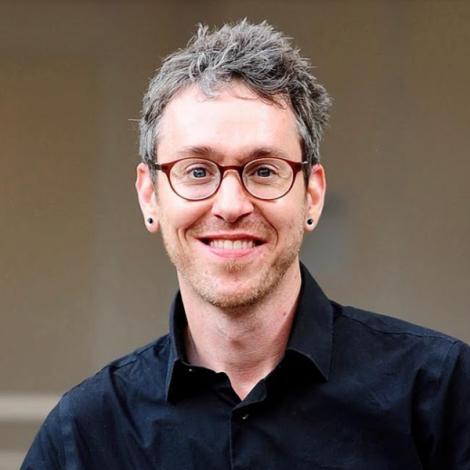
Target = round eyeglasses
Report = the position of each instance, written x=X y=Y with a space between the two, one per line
x=196 y=179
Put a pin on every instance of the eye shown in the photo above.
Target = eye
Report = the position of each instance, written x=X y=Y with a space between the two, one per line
x=195 y=171
x=264 y=172
x=198 y=172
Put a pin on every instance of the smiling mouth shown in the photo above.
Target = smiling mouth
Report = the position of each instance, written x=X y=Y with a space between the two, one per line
x=229 y=244
x=232 y=244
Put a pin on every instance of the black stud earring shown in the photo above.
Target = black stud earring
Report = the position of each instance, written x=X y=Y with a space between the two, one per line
x=309 y=221
x=149 y=220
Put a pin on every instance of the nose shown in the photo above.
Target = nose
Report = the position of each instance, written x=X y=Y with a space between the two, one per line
x=231 y=202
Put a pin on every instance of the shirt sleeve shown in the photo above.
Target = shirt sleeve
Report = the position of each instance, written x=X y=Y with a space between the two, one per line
x=451 y=412
x=46 y=451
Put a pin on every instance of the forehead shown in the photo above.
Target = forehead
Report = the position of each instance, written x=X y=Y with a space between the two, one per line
x=231 y=125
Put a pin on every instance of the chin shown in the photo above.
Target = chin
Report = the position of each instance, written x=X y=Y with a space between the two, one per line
x=231 y=300
x=231 y=292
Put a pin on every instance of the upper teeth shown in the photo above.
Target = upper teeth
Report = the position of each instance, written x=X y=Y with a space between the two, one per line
x=232 y=244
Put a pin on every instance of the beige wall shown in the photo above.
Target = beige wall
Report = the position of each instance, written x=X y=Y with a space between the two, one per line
x=82 y=282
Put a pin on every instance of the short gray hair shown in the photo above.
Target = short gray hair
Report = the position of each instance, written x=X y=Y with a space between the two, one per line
x=256 y=54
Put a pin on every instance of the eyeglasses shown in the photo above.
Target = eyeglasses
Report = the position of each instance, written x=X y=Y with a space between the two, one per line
x=196 y=179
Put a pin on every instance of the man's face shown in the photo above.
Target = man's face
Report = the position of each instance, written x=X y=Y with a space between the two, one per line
x=231 y=249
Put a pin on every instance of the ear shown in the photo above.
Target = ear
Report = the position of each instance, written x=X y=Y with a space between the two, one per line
x=316 y=187
x=147 y=198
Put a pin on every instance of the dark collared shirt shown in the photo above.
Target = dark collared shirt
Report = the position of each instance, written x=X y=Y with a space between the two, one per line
x=355 y=390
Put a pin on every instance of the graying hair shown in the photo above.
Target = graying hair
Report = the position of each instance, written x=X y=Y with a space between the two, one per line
x=261 y=57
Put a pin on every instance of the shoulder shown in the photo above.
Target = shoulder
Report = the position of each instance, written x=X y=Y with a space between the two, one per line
x=98 y=407
x=139 y=373
x=402 y=367
x=377 y=324
x=383 y=339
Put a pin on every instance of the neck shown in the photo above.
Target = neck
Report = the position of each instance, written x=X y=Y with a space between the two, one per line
x=246 y=344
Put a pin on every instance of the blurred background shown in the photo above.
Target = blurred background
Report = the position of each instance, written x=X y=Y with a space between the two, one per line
x=82 y=282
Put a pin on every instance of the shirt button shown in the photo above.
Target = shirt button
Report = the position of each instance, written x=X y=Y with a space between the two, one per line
x=190 y=369
x=245 y=416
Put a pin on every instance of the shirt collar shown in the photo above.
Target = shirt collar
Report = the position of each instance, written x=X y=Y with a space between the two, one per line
x=312 y=331
x=176 y=354
x=311 y=335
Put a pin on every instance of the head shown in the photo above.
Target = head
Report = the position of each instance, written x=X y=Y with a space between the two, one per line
x=230 y=96
x=255 y=54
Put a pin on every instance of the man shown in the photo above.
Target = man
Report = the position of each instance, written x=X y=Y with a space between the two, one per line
x=260 y=370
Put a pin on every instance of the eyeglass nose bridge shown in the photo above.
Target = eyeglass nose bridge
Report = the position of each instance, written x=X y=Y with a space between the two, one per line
x=223 y=169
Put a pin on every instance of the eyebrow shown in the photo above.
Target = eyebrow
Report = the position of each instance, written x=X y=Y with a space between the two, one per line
x=203 y=151
x=198 y=151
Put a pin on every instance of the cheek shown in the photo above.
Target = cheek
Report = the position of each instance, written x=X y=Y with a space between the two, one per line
x=287 y=223
x=178 y=214
x=290 y=213
x=174 y=211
